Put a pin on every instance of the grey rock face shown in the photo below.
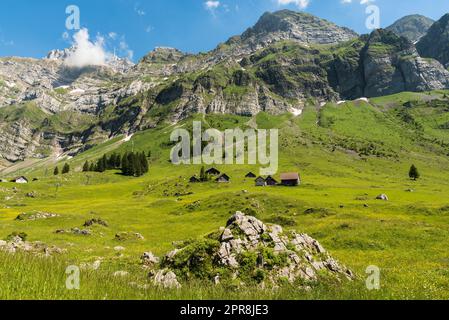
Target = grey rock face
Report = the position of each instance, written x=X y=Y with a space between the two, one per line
x=412 y=27
x=435 y=44
x=387 y=64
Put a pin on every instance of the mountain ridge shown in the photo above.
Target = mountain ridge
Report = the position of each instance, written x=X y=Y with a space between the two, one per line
x=276 y=67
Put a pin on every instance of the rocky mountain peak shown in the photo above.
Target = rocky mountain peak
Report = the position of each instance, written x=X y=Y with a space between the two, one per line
x=163 y=55
x=299 y=26
x=59 y=55
x=412 y=27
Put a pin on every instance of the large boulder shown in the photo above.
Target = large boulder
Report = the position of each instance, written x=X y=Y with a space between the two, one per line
x=166 y=279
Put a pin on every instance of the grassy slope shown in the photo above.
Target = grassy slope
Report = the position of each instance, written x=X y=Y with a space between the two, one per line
x=406 y=237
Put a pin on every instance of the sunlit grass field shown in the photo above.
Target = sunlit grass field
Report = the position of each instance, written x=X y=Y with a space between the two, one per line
x=346 y=154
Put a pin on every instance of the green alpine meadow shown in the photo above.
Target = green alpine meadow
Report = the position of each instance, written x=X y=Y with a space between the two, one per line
x=93 y=205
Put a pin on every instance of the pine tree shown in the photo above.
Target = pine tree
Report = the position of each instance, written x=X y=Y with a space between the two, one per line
x=101 y=165
x=56 y=171
x=125 y=164
x=138 y=170
x=149 y=154
x=66 y=169
x=414 y=173
x=117 y=161
x=137 y=166
x=144 y=161
x=86 y=166
x=203 y=175
x=92 y=167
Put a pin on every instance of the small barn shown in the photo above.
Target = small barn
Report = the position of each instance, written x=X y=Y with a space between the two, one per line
x=290 y=179
x=20 y=180
x=270 y=181
x=250 y=175
x=213 y=172
x=224 y=178
x=260 y=182
x=194 y=179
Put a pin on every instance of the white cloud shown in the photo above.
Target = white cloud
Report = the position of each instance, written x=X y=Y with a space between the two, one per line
x=212 y=4
x=124 y=49
x=300 y=3
x=112 y=35
x=139 y=10
x=86 y=53
x=362 y=2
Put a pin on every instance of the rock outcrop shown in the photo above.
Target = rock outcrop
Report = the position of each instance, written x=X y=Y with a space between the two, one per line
x=17 y=244
x=247 y=250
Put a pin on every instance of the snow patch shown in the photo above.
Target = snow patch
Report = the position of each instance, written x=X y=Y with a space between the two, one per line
x=77 y=91
x=341 y=102
x=363 y=99
x=296 y=112
x=128 y=138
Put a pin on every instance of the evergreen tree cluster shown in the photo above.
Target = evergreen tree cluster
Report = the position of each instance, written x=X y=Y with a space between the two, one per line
x=131 y=164
x=134 y=164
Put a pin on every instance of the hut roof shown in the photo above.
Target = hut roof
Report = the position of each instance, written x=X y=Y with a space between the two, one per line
x=289 y=176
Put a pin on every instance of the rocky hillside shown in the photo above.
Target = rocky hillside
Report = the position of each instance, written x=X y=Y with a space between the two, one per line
x=435 y=44
x=412 y=27
x=286 y=59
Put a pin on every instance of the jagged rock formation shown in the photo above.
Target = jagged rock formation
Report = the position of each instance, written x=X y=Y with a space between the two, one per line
x=247 y=250
x=435 y=44
x=412 y=27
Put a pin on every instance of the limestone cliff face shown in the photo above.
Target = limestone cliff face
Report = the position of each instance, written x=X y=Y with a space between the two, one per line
x=435 y=44
x=286 y=59
x=386 y=64
x=392 y=65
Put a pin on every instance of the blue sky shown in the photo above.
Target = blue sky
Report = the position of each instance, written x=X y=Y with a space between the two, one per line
x=32 y=28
